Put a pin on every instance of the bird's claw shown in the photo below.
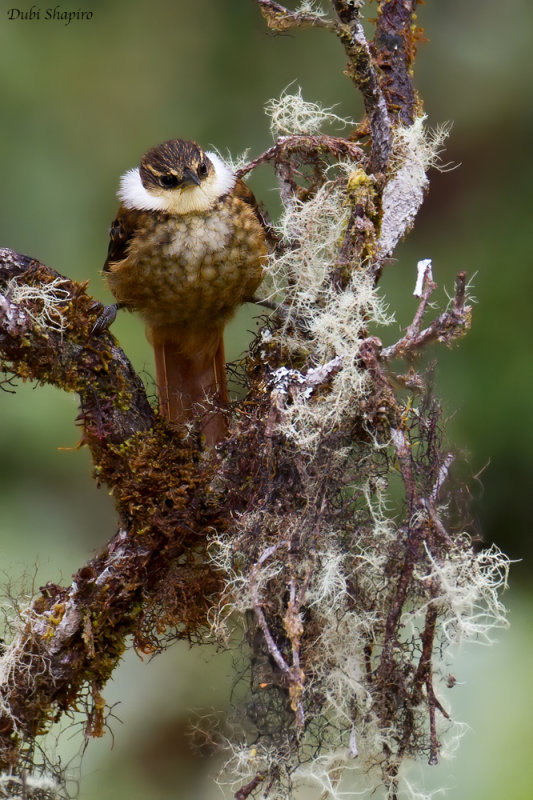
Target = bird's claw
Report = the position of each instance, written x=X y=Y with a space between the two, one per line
x=107 y=317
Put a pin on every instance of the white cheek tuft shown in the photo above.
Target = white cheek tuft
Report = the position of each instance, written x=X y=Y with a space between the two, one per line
x=224 y=177
x=133 y=194
x=195 y=199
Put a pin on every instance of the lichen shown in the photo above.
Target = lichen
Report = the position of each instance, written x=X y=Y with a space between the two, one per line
x=291 y=114
x=415 y=150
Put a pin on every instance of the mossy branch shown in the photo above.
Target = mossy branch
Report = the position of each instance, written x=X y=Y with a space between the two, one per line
x=113 y=402
x=394 y=47
x=72 y=638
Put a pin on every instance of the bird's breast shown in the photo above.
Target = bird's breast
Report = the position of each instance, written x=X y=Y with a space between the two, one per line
x=192 y=269
x=194 y=238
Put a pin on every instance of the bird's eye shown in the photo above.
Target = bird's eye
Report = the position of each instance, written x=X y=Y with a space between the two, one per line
x=168 y=181
x=202 y=169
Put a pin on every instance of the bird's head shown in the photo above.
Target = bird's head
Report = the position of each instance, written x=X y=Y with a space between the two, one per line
x=176 y=177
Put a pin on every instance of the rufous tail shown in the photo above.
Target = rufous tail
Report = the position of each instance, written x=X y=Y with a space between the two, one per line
x=187 y=382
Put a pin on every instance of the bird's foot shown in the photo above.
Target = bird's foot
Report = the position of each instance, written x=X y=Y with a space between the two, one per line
x=107 y=317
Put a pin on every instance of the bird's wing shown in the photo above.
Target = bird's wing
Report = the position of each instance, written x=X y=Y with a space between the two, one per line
x=121 y=232
x=244 y=193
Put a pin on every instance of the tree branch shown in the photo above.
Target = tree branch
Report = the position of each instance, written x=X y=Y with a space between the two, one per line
x=362 y=71
x=444 y=328
x=306 y=145
x=73 y=637
x=111 y=394
x=394 y=47
x=281 y=19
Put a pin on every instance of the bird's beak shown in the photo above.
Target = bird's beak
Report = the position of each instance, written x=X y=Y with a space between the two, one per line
x=190 y=177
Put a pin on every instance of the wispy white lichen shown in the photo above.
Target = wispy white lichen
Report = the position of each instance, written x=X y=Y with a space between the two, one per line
x=328 y=322
x=13 y=787
x=310 y=7
x=291 y=114
x=43 y=303
x=325 y=576
x=234 y=162
x=471 y=584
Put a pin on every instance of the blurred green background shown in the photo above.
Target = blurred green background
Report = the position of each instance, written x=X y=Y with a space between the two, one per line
x=80 y=104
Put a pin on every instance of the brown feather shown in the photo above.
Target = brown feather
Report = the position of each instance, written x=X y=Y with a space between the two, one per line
x=189 y=379
x=122 y=230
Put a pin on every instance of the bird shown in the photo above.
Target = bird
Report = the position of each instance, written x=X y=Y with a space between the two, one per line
x=187 y=247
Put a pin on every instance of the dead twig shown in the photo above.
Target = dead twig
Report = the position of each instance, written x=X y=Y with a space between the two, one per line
x=287 y=146
x=293 y=627
x=281 y=19
x=445 y=328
